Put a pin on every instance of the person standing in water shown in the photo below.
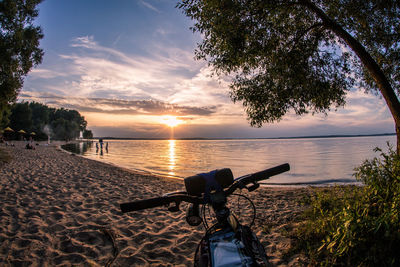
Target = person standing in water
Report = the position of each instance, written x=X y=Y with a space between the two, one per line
x=101 y=143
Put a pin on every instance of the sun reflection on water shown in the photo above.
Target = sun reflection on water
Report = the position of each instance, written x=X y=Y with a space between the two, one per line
x=172 y=157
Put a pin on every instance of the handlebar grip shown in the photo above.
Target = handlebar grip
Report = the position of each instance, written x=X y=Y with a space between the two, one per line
x=262 y=175
x=144 y=204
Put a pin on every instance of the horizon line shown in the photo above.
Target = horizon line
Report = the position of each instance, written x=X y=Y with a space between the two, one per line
x=243 y=138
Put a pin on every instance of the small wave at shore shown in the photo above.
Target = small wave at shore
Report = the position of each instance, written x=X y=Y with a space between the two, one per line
x=318 y=183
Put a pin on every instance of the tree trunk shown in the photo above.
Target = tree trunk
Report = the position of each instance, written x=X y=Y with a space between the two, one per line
x=376 y=72
x=398 y=138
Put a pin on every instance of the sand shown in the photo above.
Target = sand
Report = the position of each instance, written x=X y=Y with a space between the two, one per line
x=61 y=209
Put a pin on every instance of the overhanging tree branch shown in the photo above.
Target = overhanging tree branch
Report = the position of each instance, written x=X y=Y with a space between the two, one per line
x=371 y=65
x=310 y=75
x=302 y=34
x=378 y=75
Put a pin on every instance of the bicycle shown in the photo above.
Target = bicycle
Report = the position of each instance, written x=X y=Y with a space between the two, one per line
x=228 y=242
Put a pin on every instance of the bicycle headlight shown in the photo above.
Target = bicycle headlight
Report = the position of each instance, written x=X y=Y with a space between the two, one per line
x=192 y=215
x=196 y=185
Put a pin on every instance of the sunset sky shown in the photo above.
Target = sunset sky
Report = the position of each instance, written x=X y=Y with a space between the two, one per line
x=126 y=64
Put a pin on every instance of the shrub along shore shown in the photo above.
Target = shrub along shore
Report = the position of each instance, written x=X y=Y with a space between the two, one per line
x=355 y=226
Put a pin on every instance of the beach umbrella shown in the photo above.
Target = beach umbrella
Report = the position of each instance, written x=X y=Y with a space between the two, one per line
x=8 y=132
x=22 y=133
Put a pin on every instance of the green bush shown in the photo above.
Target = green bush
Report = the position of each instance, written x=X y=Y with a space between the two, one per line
x=356 y=226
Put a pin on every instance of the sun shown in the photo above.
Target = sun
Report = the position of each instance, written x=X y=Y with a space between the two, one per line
x=171 y=121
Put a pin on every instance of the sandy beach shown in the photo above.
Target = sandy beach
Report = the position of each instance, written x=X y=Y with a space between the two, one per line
x=61 y=209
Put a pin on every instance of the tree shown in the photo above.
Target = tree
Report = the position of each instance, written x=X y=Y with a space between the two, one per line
x=87 y=134
x=21 y=117
x=59 y=127
x=63 y=124
x=19 y=47
x=300 y=55
x=40 y=116
x=4 y=122
x=66 y=124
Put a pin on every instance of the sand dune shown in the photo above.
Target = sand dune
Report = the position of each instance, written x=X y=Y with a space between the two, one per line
x=61 y=209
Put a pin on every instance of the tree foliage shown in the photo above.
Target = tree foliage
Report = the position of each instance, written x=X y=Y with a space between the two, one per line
x=297 y=55
x=87 y=134
x=5 y=114
x=19 y=47
x=61 y=124
x=21 y=117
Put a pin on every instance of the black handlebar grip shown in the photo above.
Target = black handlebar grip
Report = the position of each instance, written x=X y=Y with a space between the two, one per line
x=262 y=175
x=144 y=204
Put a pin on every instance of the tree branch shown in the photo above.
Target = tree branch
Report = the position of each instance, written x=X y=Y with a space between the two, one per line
x=302 y=34
x=370 y=64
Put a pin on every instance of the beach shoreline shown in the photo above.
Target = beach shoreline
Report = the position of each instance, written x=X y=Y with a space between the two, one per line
x=62 y=209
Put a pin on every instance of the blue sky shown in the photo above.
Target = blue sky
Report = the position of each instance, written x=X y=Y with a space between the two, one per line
x=124 y=64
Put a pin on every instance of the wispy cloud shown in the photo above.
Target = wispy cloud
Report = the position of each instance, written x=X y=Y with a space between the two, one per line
x=84 y=41
x=148 y=5
x=47 y=74
x=118 y=106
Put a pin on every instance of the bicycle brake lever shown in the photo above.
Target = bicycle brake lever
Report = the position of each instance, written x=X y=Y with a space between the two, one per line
x=241 y=185
x=253 y=187
x=174 y=208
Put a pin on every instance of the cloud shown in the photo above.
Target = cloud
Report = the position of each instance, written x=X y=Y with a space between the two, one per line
x=46 y=73
x=169 y=75
x=148 y=5
x=101 y=69
x=84 y=41
x=132 y=89
x=118 y=106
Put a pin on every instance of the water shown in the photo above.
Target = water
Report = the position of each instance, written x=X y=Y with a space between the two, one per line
x=312 y=161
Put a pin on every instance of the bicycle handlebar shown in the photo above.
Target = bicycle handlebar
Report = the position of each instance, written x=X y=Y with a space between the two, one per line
x=240 y=182
x=159 y=201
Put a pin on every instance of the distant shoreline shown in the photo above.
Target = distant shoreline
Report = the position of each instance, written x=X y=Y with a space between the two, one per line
x=257 y=138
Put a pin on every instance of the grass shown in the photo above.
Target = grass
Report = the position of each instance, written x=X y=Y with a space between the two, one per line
x=354 y=226
x=319 y=220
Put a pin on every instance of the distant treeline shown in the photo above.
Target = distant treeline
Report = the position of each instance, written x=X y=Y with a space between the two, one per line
x=44 y=121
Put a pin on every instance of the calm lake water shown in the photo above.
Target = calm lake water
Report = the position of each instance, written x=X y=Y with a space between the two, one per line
x=312 y=161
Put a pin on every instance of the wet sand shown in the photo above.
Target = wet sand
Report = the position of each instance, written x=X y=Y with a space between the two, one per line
x=61 y=209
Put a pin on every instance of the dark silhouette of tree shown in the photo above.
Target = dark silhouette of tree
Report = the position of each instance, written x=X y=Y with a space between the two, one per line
x=5 y=114
x=300 y=55
x=19 y=47
x=40 y=115
x=65 y=124
x=21 y=117
x=87 y=134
